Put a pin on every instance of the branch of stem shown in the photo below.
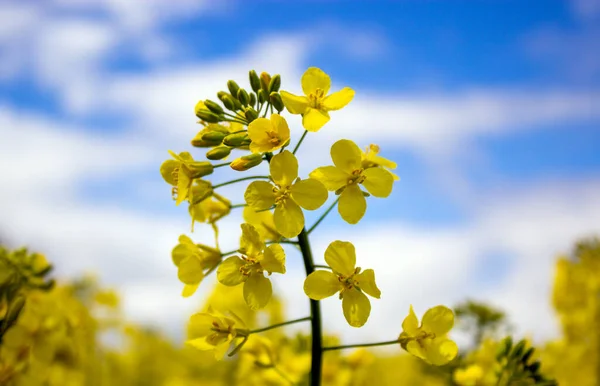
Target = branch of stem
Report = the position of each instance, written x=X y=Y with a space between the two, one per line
x=361 y=345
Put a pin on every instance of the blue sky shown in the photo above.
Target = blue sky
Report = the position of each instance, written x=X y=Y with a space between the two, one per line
x=491 y=110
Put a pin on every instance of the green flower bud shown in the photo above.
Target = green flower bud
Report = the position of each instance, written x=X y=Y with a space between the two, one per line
x=228 y=102
x=197 y=141
x=254 y=81
x=218 y=153
x=518 y=350
x=528 y=353
x=262 y=96
x=275 y=83
x=199 y=168
x=235 y=140
x=214 y=136
x=265 y=79
x=534 y=367
x=208 y=116
x=252 y=99
x=246 y=162
x=251 y=114
x=14 y=310
x=243 y=97
x=214 y=107
x=276 y=101
x=221 y=94
x=504 y=348
x=233 y=87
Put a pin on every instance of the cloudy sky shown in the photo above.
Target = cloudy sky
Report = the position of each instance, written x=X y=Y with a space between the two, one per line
x=491 y=110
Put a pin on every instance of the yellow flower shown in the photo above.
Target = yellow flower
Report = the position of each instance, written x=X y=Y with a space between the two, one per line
x=316 y=104
x=429 y=341
x=347 y=174
x=181 y=173
x=213 y=331
x=209 y=211
x=288 y=194
x=371 y=159
x=263 y=222
x=249 y=269
x=192 y=260
x=268 y=135
x=347 y=279
x=470 y=376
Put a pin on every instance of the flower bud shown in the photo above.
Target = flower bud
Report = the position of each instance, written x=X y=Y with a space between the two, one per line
x=252 y=99
x=14 y=310
x=233 y=87
x=199 y=106
x=214 y=107
x=239 y=139
x=275 y=83
x=228 y=102
x=251 y=114
x=218 y=153
x=265 y=79
x=199 y=169
x=262 y=96
x=214 y=137
x=243 y=97
x=197 y=141
x=208 y=116
x=246 y=162
x=254 y=81
x=276 y=101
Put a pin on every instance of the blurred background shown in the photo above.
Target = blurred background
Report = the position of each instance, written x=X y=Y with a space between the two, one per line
x=491 y=110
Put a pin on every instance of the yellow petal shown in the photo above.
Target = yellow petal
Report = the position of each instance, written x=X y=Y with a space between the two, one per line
x=166 y=170
x=229 y=273
x=257 y=291
x=314 y=119
x=346 y=155
x=200 y=344
x=294 y=103
x=200 y=325
x=338 y=99
x=189 y=290
x=309 y=194
x=330 y=176
x=284 y=168
x=410 y=325
x=439 y=320
x=263 y=222
x=190 y=270
x=221 y=350
x=259 y=195
x=366 y=282
x=321 y=284
x=341 y=256
x=352 y=205
x=314 y=78
x=258 y=129
x=383 y=162
x=289 y=219
x=251 y=242
x=441 y=351
x=378 y=182
x=184 y=182
x=281 y=127
x=273 y=259
x=357 y=307
x=181 y=251
x=415 y=349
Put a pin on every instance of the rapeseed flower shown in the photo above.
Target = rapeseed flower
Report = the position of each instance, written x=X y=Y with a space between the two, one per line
x=214 y=331
x=371 y=159
x=181 y=173
x=193 y=261
x=268 y=134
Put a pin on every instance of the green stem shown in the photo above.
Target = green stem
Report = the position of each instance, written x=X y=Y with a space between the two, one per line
x=321 y=266
x=300 y=141
x=279 y=325
x=238 y=180
x=236 y=121
x=228 y=253
x=315 y=313
x=312 y=228
x=361 y=345
x=221 y=165
x=238 y=206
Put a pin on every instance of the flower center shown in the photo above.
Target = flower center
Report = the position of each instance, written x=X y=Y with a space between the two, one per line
x=274 y=138
x=349 y=282
x=356 y=177
x=252 y=266
x=281 y=195
x=315 y=99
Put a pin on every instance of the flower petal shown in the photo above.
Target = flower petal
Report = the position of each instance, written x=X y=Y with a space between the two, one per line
x=378 y=182
x=366 y=282
x=294 y=103
x=251 y=242
x=314 y=119
x=357 y=307
x=439 y=320
x=289 y=219
x=190 y=270
x=338 y=99
x=273 y=259
x=415 y=349
x=221 y=350
x=257 y=291
x=314 y=78
x=259 y=195
x=321 y=284
x=281 y=127
x=284 y=168
x=346 y=155
x=184 y=182
x=200 y=325
x=330 y=176
x=341 y=256
x=441 y=351
x=309 y=194
x=166 y=170
x=352 y=205
x=410 y=325
x=189 y=290
x=258 y=129
x=229 y=273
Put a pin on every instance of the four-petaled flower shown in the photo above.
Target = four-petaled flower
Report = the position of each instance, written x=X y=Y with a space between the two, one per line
x=347 y=279
x=181 y=172
x=372 y=159
x=344 y=178
x=316 y=104
x=192 y=260
x=288 y=194
x=429 y=341
x=268 y=135
x=250 y=267
x=214 y=331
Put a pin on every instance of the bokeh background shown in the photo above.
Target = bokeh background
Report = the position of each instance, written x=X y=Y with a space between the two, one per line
x=490 y=108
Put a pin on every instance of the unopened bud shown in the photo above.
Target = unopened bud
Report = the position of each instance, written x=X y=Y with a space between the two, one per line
x=218 y=153
x=276 y=101
x=214 y=137
x=254 y=81
x=197 y=141
x=228 y=102
x=214 y=107
x=252 y=99
x=208 y=116
x=199 y=106
x=275 y=83
x=239 y=139
x=233 y=87
x=262 y=96
x=265 y=79
x=199 y=169
x=14 y=310
x=251 y=114
x=246 y=162
x=243 y=97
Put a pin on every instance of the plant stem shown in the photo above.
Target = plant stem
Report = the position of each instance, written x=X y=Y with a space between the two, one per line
x=322 y=266
x=228 y=253
x=238 y=206
x=220 y=165
x=279 y=325
x=361 y=345
x=312 y=228
x=315 y=313
x=300 y=141
x=238 y=180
